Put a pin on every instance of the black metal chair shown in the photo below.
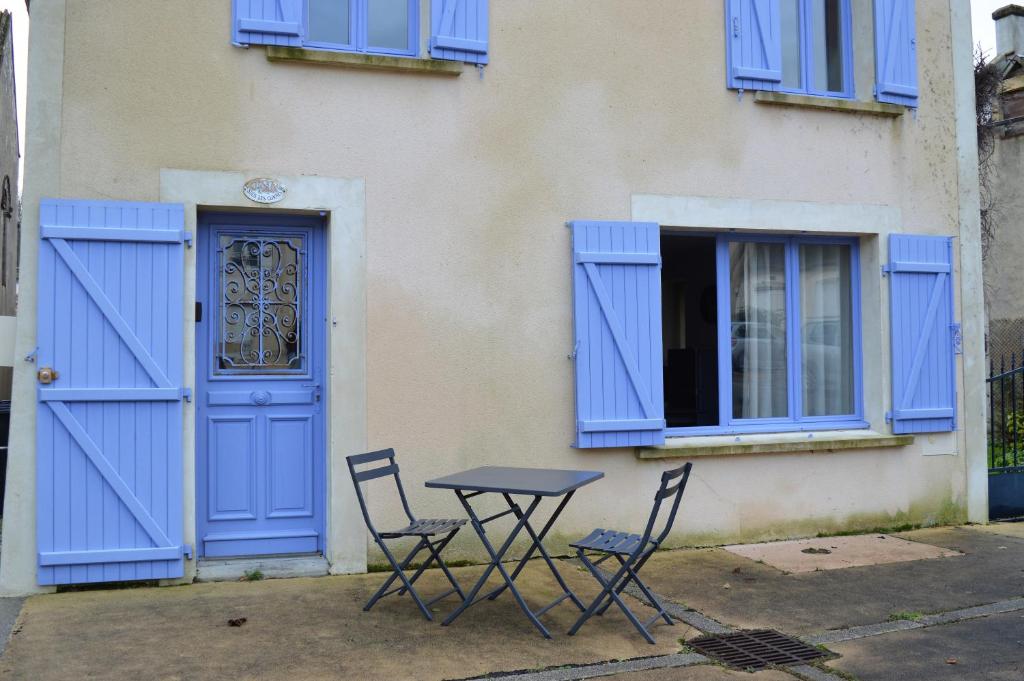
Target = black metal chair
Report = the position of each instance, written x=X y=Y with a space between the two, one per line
x=424 y=529
x=631 y=551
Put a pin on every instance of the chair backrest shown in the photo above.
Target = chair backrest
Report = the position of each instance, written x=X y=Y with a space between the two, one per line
x=667 y=491
x=362 y=476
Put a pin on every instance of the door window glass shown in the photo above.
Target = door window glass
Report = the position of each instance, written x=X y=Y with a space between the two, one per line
x=260 y=282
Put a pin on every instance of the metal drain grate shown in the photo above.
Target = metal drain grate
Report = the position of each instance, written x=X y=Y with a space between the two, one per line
x=756 y=649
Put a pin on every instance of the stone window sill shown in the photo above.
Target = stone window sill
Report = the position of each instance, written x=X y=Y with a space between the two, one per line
x=358 y=60
x=779 y=443
x=830 y=103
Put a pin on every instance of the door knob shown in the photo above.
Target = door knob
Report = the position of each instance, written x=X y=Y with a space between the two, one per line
x=46 y=375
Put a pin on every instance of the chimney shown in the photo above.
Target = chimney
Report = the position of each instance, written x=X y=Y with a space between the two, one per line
x=1009 y=30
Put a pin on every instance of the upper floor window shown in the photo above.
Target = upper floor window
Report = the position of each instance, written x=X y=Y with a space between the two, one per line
x=806 y=47
x=377 y=26
x=816 y=47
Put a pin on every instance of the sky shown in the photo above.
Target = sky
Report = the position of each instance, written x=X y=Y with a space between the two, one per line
x=981 y=15
x=982 y=26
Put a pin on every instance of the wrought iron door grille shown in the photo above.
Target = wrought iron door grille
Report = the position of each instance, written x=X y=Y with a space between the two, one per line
x=756 y=649
x=261 y=281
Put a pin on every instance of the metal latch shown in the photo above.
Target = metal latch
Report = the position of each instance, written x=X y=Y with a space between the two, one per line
x=47 y=375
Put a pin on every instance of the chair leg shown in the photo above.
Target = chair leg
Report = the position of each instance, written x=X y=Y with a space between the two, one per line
x=399 y=573
x=650 y=596
x=436 y=551
x=608 y=591
x=435 y=557
x=421 y=568
x=631 y=576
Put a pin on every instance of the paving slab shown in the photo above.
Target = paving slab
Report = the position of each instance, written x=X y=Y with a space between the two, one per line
x=310 y=628
x=740 y=592
x=991 y=648
x=1008 y=529
x=834 y=553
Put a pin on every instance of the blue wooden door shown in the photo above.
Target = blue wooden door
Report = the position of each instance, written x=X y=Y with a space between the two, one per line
x=260 y=342
x=109 y=420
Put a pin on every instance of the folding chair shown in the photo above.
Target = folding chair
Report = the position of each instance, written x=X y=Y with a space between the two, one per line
x=631 y=551
x=425 y=529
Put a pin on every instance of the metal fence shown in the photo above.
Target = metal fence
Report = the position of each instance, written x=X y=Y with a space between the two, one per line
x=1006 y=414
x=1006 y=437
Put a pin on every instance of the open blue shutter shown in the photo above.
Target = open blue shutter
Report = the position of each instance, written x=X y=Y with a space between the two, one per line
x=753 y=44
x=895 y=52
x=617 y=316
x=267 y=22
x=458 y=30
x=923 y=333
x=109 y=428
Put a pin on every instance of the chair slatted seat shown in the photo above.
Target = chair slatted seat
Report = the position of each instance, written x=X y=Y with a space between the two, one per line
x=423 y=528
x=609 y=541
x=631 y=551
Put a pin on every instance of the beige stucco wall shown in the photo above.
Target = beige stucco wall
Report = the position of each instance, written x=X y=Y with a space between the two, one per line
x=468 y=183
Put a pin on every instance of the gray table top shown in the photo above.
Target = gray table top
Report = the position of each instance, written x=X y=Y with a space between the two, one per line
x=545 y=482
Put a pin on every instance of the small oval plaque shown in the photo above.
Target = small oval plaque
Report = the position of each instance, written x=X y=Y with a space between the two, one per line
x=263 y=190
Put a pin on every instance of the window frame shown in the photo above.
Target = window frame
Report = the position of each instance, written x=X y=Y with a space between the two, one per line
x=807 y=55
x=359 y=33
x=794 y=421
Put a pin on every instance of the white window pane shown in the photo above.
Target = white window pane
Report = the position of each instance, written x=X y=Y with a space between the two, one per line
x=328 y=21
x=388 y=24
x=826 y=329
x=791 y=66
x=827 y=44
x=757 y=277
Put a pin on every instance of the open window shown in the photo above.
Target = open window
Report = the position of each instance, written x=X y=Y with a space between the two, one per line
x=679 y=333
x=761 y=333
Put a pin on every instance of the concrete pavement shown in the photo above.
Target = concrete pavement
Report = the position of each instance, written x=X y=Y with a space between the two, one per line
x=315 y=629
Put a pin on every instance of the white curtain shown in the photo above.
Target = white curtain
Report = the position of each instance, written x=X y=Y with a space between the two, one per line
x=826 y=330
x=758 y=308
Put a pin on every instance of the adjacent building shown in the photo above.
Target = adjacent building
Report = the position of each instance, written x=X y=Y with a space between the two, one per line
x=263 y=235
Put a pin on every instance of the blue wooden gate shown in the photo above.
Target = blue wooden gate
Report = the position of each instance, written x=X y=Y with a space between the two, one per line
x=109 y=425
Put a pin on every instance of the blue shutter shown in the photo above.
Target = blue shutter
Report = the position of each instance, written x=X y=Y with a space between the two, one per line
x=267 y=22
x=458 y=30
x=617 y=315
x=109 y=428
x=923 y=333
x=753 y=44
x=895 y=52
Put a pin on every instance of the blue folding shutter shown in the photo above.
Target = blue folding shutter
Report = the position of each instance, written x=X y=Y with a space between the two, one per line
x=895 y=52
x=458 y=30
x=753 y=44
x=267 y=22
x=922 y=330
x=617 y=314
x=109 y=429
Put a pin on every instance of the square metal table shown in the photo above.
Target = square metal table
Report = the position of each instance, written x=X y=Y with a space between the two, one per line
x=535 y=482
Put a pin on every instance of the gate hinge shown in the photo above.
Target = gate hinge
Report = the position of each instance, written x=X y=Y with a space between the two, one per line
x=885 y=270
x=958 y=338
x=186 y=550
x=186 y=394
x=888 y=417
x=188 y=239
